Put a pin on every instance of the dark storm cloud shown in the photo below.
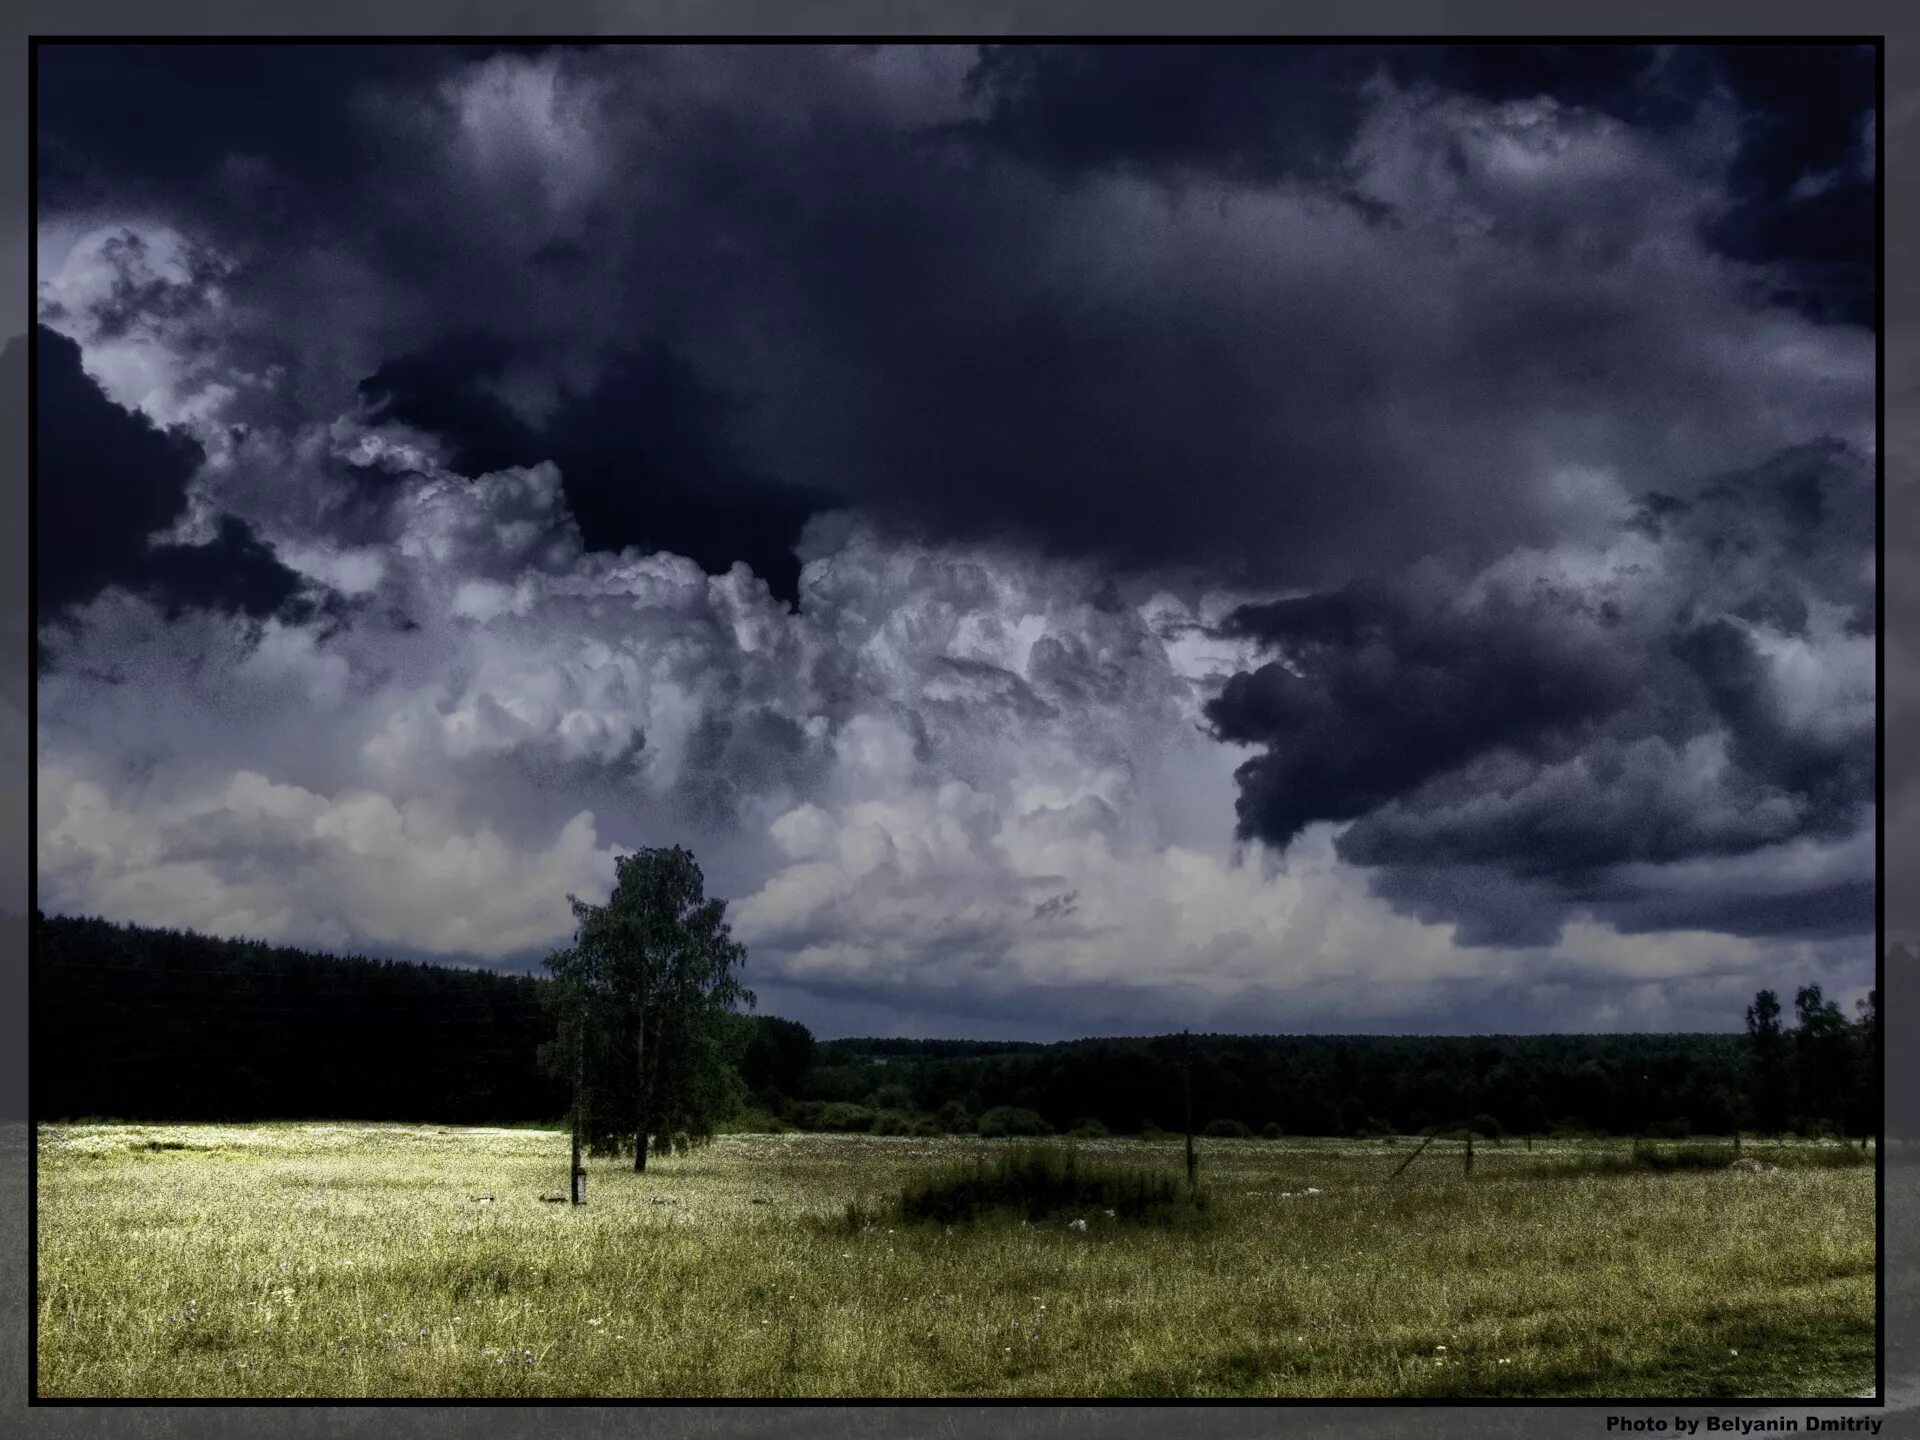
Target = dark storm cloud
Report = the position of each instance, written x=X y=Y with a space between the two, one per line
x=962 y=296
x=1284 y=318
x=289 y=104
x=1803 y=194
x=1521 y=755
x=644 y=453
x=1378 y=696
x=107 y=479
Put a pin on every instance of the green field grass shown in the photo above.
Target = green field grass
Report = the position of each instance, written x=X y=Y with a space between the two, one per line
x=360 y=1261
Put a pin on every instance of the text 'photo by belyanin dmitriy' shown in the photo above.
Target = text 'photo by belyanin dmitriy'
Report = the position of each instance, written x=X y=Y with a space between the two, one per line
x=1063 y=722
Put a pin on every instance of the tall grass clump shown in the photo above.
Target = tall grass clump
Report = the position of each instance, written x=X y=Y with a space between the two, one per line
x=1039 y=1182
x=1673 y=1159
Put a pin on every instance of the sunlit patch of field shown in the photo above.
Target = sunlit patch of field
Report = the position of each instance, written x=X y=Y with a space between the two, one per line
x=369 y=1261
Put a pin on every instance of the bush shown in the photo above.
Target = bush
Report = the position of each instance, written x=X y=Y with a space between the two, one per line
x=1227 y=1130
x=1676 y=1129
x=1487 y=1127
x=1271 y=1130
x=1040 y=1181
x=1087 y=1128
x=753 y=1121
x=893 y=1122
x=953 y=1118
x=1011 y=1120
x=832 y=1115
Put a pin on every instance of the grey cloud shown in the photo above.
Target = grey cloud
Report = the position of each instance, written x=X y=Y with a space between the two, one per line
x=1508 y=757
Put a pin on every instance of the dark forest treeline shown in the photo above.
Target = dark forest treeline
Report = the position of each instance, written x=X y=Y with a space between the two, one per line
x=145 y=1024
x=152 y=1024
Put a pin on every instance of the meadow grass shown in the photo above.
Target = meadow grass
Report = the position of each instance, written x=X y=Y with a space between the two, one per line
x=363 y=1261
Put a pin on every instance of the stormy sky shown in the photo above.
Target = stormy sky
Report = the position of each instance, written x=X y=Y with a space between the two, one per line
x=1077 y=539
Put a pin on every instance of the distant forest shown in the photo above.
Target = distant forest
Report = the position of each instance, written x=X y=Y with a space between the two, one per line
x=144 y=1024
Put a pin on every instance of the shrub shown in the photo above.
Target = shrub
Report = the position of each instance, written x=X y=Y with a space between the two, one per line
x=1271 y=1130
x=1087 y=1128
x=893 y=1122
x=1037 y=1181
x=1227 y=1130
x=753 y=1121
x=832 y=1115
x=1487 y=1127
x=1011 y=1120
x=953 y=1118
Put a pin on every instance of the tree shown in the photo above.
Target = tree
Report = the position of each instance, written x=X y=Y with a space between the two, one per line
x=779 y=1053
x=1771 y=1079
x=1822 y=1048
x=1867 y=1071
x=650 y=976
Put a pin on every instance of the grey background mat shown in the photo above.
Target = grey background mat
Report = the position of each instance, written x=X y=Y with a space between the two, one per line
x=1900 y=989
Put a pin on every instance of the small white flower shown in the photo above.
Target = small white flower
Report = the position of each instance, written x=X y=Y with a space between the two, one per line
x=1077 y=1225
x=1441 y=1348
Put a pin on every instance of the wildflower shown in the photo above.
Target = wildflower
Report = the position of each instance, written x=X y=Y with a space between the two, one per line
x=1077 y=1225
x=1441 y=1348
x=1109 y=1214
x=594 y=1320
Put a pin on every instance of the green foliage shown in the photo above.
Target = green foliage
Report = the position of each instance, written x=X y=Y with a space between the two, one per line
x=1771 y=1076
x=1038 y=1182
x=149 y=1024
x=644 y=999
x=1013 y=1120
x=953 y=1118
x=1087 y=1128
x=1271 y=1130
x=834 y=1116
x=1227 y=1130
x=903 y=1122
x=777 y=1055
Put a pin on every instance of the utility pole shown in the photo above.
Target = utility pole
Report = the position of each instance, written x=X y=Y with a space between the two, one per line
x=1186 y=1072
x=576 y=1175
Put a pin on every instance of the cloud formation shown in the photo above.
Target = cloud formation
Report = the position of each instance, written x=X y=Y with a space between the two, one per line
x=950 y=491
x=1544 y=739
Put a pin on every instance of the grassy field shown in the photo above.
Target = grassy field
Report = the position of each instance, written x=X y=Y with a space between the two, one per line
x=362 y=1261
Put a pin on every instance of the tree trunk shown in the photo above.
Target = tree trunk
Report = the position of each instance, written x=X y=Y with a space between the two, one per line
x=640 y=1095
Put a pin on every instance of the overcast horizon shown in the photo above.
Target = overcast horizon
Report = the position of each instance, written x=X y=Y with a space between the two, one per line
x=1086 y=540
